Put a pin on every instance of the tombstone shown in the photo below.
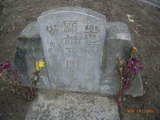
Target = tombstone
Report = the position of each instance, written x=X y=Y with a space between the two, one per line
x=79 y=47
x=73 y=46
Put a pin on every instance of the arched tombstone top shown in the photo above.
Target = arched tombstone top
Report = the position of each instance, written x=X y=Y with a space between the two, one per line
x=78 y=10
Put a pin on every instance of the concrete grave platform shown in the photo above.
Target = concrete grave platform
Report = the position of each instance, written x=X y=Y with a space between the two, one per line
x=116 y=43
x=72 y=106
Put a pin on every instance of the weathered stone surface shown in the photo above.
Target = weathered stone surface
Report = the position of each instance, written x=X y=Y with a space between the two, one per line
x=117 y=44
x=117 y=30
x=73 y=47
x=30 y=31
x=29 y=50
x=72 y=106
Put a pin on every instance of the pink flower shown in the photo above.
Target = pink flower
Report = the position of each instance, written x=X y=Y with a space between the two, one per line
x=5 y=65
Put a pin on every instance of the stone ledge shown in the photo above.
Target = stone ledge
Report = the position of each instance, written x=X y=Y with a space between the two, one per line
x=72 y=106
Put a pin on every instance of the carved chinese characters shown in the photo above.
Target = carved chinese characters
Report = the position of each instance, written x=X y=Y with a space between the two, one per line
x=73 y=48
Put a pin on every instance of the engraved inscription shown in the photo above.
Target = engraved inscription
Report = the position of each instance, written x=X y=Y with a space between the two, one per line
x=71 y=52
x=71 y=40
x=71 y=49
x=72 y=64
x=70 y=26
x=93 y=47
x=52 y=49
x=91 y=34
x=51 y=29
x=91 y=29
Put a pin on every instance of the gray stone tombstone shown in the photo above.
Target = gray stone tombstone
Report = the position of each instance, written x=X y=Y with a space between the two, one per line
x=73 y=44
x=80 y=49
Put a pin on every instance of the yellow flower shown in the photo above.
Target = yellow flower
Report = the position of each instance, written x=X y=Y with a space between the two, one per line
x=40 y=64
x=133 y=51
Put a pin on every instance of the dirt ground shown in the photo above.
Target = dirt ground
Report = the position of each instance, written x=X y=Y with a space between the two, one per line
x=144 y=26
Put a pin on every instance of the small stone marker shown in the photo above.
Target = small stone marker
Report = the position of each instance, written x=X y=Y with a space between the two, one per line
x=73 y=44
